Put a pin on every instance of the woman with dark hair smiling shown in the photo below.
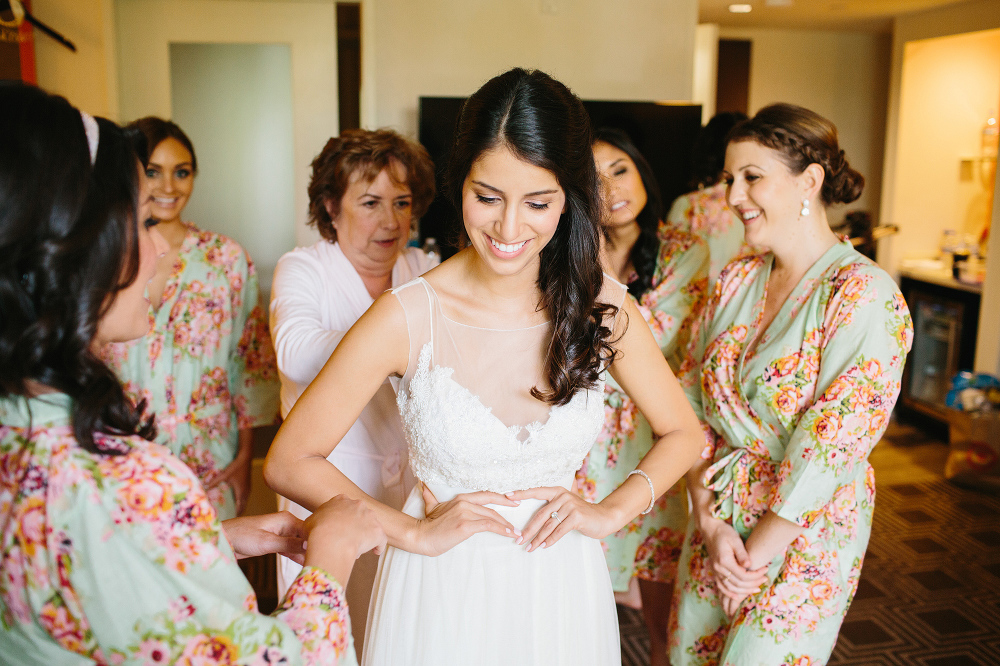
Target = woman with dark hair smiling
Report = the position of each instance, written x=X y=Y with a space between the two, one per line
x=667 y=276
x=501 y=351
x=110 y=551
x=207 y=367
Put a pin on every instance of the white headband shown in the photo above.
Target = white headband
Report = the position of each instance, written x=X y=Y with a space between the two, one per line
x=93 y=134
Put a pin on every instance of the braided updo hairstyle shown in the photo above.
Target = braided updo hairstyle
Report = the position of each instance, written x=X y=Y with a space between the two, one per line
x=804 y=137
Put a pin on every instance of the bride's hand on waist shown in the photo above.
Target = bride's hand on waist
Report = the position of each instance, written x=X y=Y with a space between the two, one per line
x=448 y=524
x=572 y=512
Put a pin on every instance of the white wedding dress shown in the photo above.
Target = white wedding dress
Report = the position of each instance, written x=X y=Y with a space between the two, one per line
x=463 y=400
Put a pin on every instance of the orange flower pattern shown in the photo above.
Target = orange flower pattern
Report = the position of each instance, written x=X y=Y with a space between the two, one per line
x=122 y=559
x=649 y=545
x=795 y=419
x=207 y=366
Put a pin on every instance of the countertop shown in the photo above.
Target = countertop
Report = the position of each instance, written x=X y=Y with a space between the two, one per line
x=935 y=272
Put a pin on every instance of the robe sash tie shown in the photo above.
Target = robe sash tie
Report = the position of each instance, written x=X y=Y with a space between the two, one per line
x=743 y=481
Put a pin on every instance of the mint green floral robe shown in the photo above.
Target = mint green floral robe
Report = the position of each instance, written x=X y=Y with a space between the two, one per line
x=792 y=426
x=121 y=559
x=706 y=214
x=207 y=366
x=649 y=546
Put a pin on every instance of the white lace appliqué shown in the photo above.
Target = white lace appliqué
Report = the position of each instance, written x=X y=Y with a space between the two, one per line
x=456 y=441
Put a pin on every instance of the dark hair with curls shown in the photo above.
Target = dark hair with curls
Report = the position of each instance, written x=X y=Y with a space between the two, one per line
x=541 y=122
x=157 y=130
x=367 y=153
x=804 y=137
x=68 y=244
x=708 y=155
x=647 y=247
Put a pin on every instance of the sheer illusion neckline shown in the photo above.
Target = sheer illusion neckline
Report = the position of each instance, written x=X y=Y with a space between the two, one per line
x=476 y=403
x=478 y=328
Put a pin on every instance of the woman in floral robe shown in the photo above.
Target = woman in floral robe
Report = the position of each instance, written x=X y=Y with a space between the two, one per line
x=207 y=368
x=110 y=551
x=667 y=276
x=801 y=354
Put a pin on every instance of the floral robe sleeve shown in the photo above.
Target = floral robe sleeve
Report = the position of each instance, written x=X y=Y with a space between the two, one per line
x=120 y=559
x=253 y=370
x=860 y=353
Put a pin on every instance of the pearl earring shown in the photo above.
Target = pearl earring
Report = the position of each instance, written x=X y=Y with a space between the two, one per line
x=805 y=208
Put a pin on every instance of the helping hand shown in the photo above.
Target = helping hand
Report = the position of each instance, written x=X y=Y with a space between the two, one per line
x=270 y=533
x=448 y=524
x=572 y=511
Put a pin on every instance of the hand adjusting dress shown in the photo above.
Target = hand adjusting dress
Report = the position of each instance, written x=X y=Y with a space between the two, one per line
x=488 y=601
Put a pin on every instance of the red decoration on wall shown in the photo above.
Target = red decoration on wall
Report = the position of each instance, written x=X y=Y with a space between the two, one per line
x=26 y=40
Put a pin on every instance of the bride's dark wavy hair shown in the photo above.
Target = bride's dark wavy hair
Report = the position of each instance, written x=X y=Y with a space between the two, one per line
x=68 y=244
x=541 y=122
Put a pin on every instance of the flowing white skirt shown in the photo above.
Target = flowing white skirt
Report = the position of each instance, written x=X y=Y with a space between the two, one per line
x=488 y=601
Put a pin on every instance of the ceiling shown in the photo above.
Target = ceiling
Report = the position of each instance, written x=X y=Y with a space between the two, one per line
x=866 y=15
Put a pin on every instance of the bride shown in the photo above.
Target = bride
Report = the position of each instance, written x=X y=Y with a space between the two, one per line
x=501 y=351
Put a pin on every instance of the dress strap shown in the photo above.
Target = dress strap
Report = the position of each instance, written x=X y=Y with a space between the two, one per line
x=431 y=302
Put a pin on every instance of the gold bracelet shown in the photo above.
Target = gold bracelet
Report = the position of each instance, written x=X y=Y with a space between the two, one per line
x=652 y=491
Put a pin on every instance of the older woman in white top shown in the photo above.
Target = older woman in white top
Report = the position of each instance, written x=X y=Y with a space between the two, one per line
x=366 y=188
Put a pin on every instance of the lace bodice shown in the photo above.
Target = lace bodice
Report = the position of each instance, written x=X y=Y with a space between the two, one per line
x=468 y=416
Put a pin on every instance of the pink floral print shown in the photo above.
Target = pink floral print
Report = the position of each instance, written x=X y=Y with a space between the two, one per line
x=207 y=367
x=648 y=546
x=122 y=559
x=794 y=422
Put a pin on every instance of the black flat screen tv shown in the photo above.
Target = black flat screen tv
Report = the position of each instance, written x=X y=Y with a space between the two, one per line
x=663 y=133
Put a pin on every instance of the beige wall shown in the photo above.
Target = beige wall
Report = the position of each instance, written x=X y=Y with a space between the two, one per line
x=706 y=68
x=965 y=17
x=147 y=27
x=949 y=86
x=628 y=49
x=86 y=78
x=840 y=75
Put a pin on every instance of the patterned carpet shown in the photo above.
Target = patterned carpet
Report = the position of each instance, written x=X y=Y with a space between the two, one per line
x=930 y=588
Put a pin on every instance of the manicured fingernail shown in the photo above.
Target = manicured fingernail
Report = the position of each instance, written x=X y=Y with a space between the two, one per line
x=542 y=545
x=519 y=539
x=517 y=532
x=508 y=530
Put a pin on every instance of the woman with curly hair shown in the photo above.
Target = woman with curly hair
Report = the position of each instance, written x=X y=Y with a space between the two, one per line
x=367 y=189
x=110 y=551
x=501 y=353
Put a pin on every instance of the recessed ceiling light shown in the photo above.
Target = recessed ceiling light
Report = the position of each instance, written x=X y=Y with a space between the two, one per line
x=740 y=9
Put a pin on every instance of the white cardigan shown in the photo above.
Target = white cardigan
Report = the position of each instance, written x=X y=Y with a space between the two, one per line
x=317 y=295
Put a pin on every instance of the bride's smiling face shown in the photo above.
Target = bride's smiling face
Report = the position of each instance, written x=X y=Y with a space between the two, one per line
x=511 y=209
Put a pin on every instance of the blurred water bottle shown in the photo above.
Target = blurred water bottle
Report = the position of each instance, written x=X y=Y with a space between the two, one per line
x=431 y=248
x=950 y=241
